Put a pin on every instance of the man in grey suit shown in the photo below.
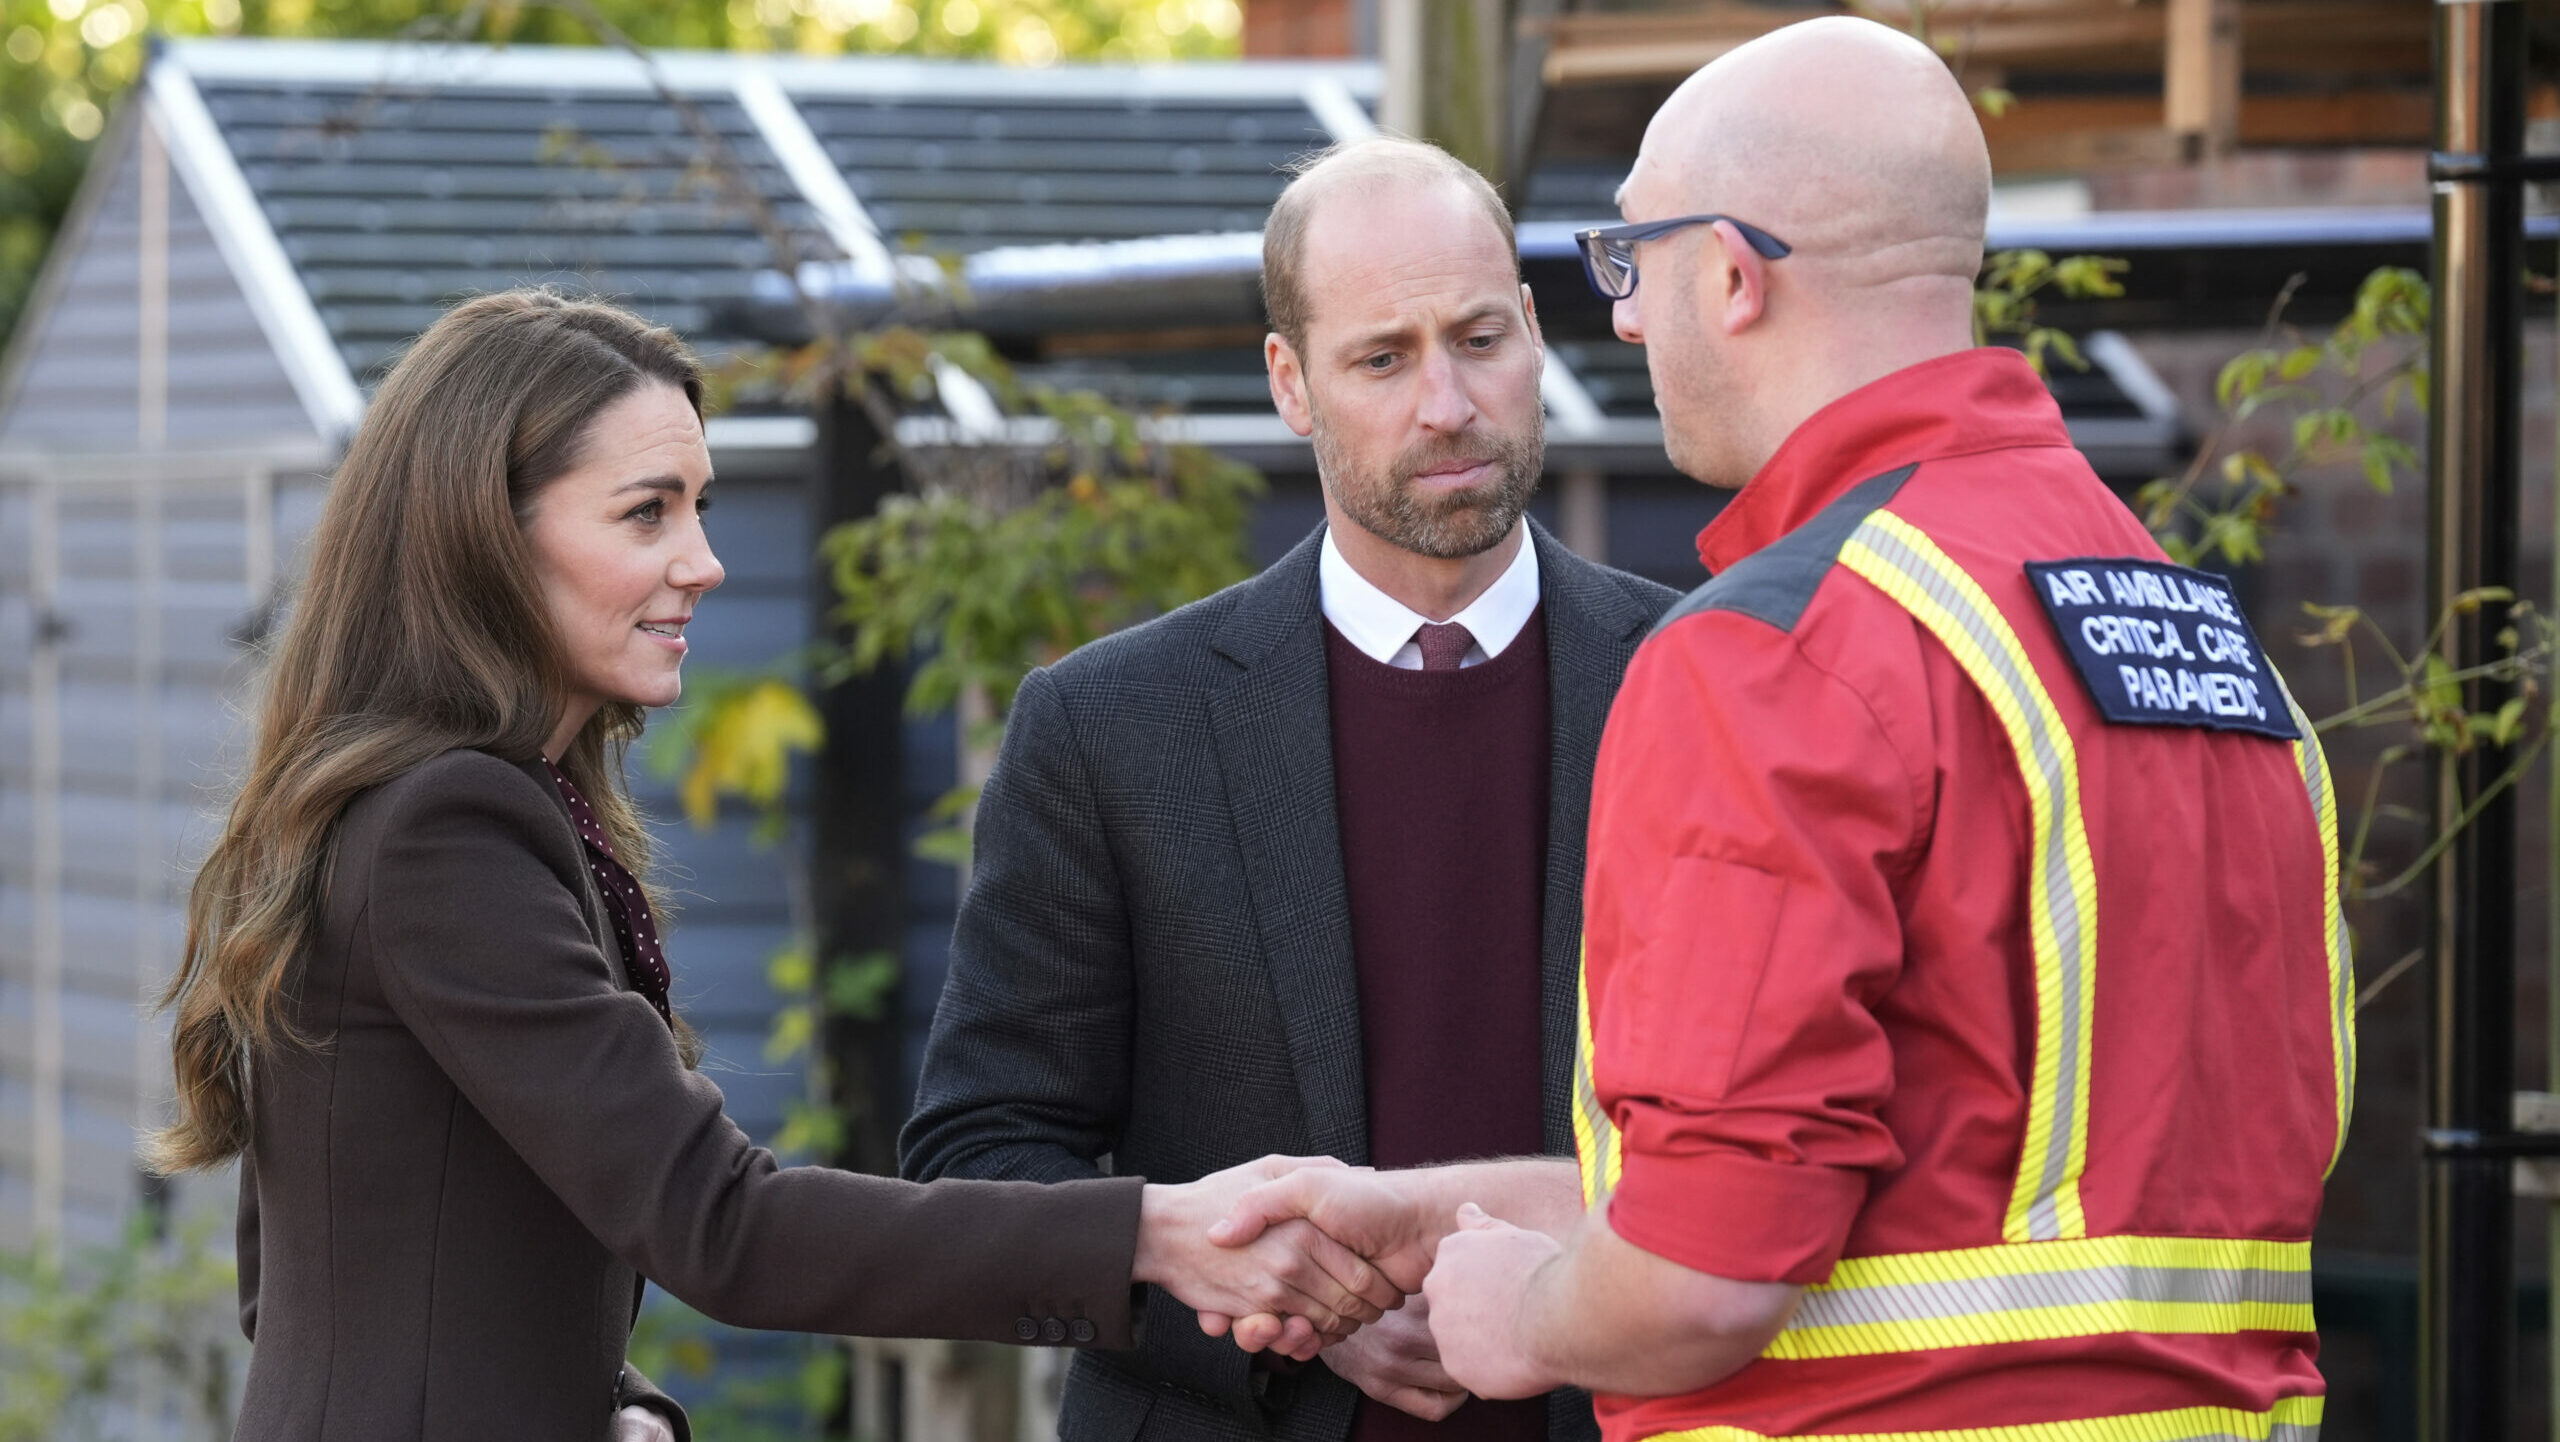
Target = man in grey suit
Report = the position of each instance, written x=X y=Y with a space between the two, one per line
x=1298 y=868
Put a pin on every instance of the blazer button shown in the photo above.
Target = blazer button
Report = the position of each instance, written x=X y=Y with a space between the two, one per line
x=1026 y=1329
x=1083 y=1331
x=1053 y=1331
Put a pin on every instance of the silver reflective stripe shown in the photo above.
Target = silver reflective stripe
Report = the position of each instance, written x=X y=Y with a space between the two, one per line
x=2039 y=1291
x=2314 y=766
x=2044 y=1221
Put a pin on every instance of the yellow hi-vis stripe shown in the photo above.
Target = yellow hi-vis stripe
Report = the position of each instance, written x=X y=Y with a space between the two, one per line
x=2041 y=1291
x=2044 y=1204
x=2342 y=974
x=2294 y=1419
x=1595 y=1140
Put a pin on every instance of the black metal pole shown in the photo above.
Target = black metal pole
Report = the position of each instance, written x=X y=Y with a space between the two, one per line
x=2466 y=1292
x=860 y=853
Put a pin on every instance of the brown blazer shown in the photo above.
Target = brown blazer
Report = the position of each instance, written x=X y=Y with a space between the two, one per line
x=450 y=1198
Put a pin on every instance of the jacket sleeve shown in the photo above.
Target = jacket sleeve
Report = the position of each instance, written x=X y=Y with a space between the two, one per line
x=1026 y=1073
x=634 y=1389
x=1750 y=814
x=473 y=919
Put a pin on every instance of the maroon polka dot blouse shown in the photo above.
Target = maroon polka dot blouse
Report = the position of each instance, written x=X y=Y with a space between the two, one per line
x=624 y=903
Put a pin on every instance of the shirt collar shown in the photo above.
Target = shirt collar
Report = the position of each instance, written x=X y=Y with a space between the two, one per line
x=1985 y=399
x=1381 y=627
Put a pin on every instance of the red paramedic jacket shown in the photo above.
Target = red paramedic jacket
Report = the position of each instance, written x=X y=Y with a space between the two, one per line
x=1841 y=1027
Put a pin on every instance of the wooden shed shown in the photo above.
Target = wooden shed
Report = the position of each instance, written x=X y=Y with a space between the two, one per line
x=266 y=222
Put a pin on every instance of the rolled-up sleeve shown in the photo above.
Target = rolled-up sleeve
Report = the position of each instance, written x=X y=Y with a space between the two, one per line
x=1749 y=815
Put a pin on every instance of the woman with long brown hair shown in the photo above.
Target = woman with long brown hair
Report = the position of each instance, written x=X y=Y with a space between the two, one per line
x=424 y=1002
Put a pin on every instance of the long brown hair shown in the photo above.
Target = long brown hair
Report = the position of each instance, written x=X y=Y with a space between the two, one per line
x=419 y=629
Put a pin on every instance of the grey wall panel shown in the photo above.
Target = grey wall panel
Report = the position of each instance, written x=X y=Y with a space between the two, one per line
x=761 y=533
x=205 y=375
x=17 y=630
x=97 y=1045
x=16 y=821
x=755 y=1090
x=743 y=631
x=80 y=390
x=298 y=499
x=17 y=1202
x=17 y=914
x=200 y=749
x=96 y=311
x=720 y=874
x=193 y=635
x=98 y=1154
x=106 y=935
x=719 y=967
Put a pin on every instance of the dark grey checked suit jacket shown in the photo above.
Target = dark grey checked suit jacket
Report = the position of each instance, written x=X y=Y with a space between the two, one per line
x=1153 y=962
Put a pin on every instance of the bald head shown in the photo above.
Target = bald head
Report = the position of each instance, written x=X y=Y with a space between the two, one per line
x=1845 y=138
x=1850 y=142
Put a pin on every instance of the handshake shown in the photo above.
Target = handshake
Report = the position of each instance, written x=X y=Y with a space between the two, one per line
x=1300 y=1256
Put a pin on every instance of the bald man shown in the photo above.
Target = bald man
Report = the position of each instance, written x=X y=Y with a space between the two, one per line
x=1967 y=1023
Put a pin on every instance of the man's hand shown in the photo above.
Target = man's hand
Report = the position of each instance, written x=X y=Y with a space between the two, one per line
x=1363 y=1210
x=1395 y=1362
x=1519 y=1312
x=1479 y=1298
x=1292 y=1270
x=1396 y=1219
x=641 y=1424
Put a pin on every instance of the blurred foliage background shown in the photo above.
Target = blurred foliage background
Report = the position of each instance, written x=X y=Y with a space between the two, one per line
x=68 y=62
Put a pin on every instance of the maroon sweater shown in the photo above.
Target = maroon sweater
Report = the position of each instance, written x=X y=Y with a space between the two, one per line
x=1440 y=779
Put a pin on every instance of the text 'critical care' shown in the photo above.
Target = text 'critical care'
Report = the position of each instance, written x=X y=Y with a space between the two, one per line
x=2161 y=645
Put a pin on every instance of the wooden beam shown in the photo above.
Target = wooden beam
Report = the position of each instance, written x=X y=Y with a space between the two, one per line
x=2056 y=133
x=2201 y=75
x=2346 y=39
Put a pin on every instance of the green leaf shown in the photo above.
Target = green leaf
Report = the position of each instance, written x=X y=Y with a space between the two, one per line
x=2438 y=686
x=792 y=1029
x=944 y=845
x=859 y=987
x=2509 y=722
x=2241 y=376
x=790 y=970
x=2377 y=469
x=2336 y=623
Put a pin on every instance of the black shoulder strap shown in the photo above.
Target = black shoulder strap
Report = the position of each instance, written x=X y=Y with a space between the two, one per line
x=1776 y=583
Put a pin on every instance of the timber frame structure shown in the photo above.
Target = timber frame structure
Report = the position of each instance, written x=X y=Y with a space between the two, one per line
x=2100 y=84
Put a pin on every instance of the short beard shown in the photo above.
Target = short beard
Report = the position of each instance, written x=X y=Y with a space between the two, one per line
x=1448 y=527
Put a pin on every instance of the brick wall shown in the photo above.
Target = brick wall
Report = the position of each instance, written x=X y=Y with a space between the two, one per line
x=1298 y=29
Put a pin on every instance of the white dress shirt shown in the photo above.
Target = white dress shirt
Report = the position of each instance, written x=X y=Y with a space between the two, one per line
x=1383 y=627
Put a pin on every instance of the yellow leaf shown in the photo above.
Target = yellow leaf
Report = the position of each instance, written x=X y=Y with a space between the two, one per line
x=744 y=747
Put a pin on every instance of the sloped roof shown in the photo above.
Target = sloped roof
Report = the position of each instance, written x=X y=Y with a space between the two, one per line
x=397 y=177
x=358 y=189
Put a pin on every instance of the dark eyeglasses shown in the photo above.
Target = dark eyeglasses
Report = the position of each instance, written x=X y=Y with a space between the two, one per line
x=1609 y=253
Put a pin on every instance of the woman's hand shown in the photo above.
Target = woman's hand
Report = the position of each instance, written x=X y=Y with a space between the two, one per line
x=1290 y=1271
x=641 y=1424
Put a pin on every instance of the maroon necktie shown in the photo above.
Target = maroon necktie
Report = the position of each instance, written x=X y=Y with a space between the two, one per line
x=624 y=902
x=1443 y=646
